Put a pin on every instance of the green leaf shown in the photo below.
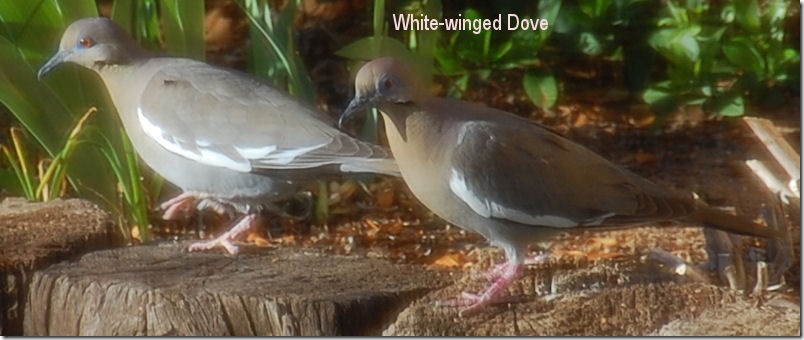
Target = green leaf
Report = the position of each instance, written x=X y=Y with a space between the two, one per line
x=124 y=14
x=502 y=50
x=679 y=46
x=448 y=62
x=657 y=92
x=9 y=182
x=375 y=47
x=661 y=97
x=728 y=13
x=741 y=52
x=688 y=44
x=589 y=44
x=427 y=41
x=140 y=18
x=548 y=10
x=459 y=86
x=541 y=88
x=594 y=8
x=679 y=14
x=775 y=12
x=748 y=15
x=482 y=73
x=273 y=50
x=184 y=28
x=730 y=105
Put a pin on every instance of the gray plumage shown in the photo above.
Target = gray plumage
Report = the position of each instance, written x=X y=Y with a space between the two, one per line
x=508 y=178
x=227 y=139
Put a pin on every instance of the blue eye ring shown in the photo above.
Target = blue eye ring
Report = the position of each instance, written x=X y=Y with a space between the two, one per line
x=386 y=85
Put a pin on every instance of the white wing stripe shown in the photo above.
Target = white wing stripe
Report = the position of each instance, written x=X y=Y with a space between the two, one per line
x=256 y=152
x=202 y=155
x=284 y=157
x=486 y=208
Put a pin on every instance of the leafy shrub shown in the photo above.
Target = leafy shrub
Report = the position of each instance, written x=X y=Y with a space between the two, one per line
x=720 y=54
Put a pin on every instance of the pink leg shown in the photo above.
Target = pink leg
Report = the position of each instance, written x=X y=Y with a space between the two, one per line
x=495 y=272
x=508 y=272
x=225 y=240
x=188 y=202
x=180 y=206
x=218 y=207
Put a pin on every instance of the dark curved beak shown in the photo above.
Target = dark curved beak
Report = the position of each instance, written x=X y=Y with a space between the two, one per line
x=357 y=105
x=54 y=61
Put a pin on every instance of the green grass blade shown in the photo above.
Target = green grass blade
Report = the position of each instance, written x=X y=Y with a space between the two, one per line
x=137 y=200
x=123 y=13
x=277 y=37
x=184 y=28
x=22 y=161
x=379 y=18
x=17 y=171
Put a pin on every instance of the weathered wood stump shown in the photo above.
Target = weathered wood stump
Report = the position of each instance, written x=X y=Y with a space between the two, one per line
x=35 y=235
x=619 y=297
x=776 y=317
x=164 y=290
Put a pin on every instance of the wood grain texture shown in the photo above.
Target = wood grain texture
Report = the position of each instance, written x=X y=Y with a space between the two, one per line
x=163 y=290
x=35 y=235
x=616 y=297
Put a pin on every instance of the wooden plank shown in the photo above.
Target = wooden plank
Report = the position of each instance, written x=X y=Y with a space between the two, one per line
x=782 y=152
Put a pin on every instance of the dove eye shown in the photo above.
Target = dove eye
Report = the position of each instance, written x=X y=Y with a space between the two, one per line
x=86 y=42
x=387 y=84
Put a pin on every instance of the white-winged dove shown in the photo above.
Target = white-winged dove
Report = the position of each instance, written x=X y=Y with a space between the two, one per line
x=227 y=139
x=508 y=178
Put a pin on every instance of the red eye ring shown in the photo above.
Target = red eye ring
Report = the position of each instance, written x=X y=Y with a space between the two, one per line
x=86 y=42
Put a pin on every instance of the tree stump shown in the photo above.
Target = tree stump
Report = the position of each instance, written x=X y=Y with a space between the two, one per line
x=35 y=235
x=164 y=290
x=616 y=297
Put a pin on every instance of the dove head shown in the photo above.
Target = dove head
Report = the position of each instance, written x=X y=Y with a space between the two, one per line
x=93 y=43
x=384 y=81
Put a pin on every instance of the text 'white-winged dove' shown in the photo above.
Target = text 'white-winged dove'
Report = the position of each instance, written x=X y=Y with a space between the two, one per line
x=508 y=178
x=231 y=142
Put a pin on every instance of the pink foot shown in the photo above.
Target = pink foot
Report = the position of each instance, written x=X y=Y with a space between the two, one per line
x=495 y=272
x=225 y=240
x=505 y=274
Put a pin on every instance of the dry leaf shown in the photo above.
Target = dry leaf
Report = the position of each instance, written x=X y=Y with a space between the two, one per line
x=135 y=233
x=603 y=241
x=385 y=197
x=581 y=120
x=257 y=239
x=642 y=157
x=450 y=261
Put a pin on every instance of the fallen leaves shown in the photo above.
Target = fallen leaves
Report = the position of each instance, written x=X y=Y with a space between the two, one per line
x=452 y=260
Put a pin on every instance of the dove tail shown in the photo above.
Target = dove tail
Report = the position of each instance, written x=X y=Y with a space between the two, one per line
x=722 y=220
x=384 y=166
